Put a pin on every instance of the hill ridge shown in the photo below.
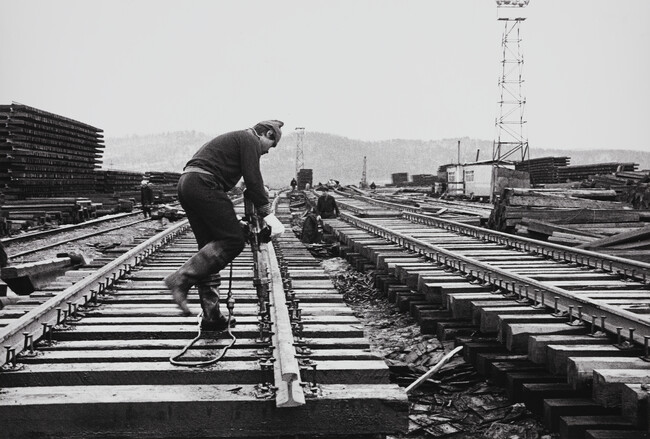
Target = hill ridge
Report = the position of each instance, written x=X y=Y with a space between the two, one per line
x=334 y=156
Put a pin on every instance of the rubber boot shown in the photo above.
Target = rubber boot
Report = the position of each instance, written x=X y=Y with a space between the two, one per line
x=212 y=319
x=201 y=265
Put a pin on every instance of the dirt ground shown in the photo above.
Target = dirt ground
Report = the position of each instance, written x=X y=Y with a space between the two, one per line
x=455 y=403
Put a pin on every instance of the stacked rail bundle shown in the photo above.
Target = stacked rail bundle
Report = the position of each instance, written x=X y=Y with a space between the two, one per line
x=565 y=216
x=165 y=186
x=400 y=178
x=118 y=191
x=44 y=154
x=113 y=181
x=584 y=172
x=543 y=170
x=305 y=176
x=163 y=178
x=424 y=179
x=23 y=214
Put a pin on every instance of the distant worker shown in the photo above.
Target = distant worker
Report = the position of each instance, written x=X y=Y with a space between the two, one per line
x=202 y=191
x=146 y=197
x=373 y=186
x=309 y=234
x=326 y=206
x=294 y=183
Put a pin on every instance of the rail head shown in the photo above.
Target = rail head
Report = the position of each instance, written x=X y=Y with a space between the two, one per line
x=285 y=368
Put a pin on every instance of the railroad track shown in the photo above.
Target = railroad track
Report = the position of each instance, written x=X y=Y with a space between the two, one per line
x=564 y=330
x=93 y=360
x=35 y=235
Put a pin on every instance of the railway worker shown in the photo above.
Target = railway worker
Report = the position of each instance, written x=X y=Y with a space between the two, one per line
x=202 y=191
x=146 y=197
x=326 y=206
x=309 y=233
x=293 y=183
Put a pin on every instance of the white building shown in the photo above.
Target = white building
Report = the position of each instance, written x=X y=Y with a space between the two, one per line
x=472 y=179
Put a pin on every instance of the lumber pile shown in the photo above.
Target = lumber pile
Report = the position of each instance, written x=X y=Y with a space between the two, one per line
x=631 y=244
x=543 y=170
x=584 y=172
x=46 y=155
x=589 y=218
x=631 y=186
x=584 y=207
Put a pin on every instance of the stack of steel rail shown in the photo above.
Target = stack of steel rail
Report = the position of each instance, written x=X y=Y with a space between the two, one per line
x=93 y=361
x=564 y=330
x=43 y=154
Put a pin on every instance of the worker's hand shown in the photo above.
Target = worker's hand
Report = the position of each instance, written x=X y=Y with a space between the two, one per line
x=318 y=218
x=276 y=226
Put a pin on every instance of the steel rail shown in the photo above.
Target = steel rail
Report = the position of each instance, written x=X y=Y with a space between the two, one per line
x=511 y=282
x=76 y=238
x=65 y=228
x=389 y=204
x=629 y=268
x=286 y=369
x=287 y=374
x=637 y=270
x=41 y=319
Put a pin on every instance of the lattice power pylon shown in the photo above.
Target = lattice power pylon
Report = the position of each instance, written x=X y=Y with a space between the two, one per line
x=300 y=154
x=511 y=139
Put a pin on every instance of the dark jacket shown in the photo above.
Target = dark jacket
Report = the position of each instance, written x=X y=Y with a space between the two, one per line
x=146 y=195
x=309 y=233
x=232 y=156
x=326 y=206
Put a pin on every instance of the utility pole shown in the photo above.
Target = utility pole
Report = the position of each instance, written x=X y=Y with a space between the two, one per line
x=300 y=155
x=364 y=182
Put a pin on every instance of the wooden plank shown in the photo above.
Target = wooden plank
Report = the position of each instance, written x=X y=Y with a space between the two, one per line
x=516 y=334
x=160 y=373
x=558 y=355
x=197 y=411
x=236 y=353
x=106 y=332
x=492 y=317
x=580 y=370
x=620 y=238
x=634 y=403
x=203 y=343
x=608 y=383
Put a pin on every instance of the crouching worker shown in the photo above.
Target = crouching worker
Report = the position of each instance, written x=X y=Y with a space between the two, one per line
x=202 y=191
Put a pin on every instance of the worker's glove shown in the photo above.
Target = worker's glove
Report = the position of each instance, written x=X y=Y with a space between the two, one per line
x=318 y=218
x=276 y=226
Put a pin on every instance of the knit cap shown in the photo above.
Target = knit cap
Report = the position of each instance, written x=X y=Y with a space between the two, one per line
x=274 y=125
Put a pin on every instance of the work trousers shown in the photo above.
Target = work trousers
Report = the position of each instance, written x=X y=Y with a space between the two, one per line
x=212 y=217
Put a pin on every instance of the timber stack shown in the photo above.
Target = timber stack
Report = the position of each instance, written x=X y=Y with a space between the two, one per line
x=35 y=212
x=589 y=218
x=46 y=155
x=543 y=170
x=584 y=172
x=165 y=185
x=631 y=186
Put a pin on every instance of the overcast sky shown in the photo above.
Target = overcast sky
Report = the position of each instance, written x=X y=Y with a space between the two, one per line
x=364 y=69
